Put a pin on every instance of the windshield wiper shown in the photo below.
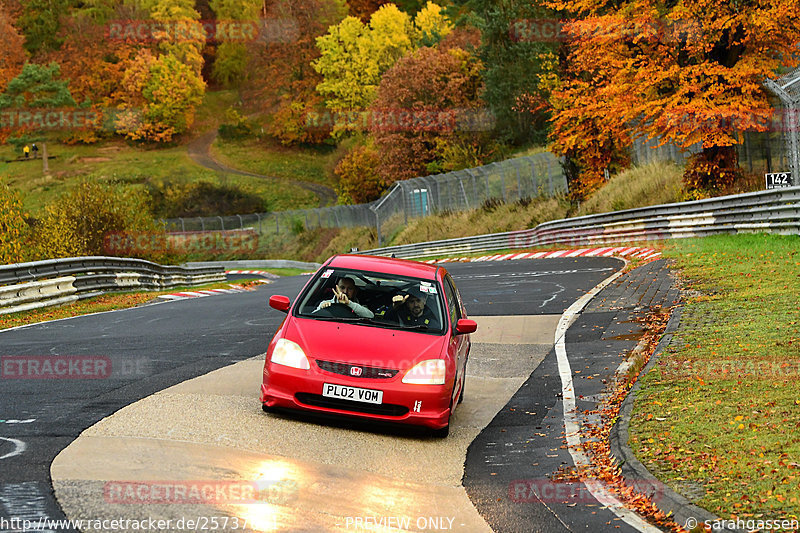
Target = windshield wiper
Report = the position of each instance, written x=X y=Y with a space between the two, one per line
x=375 y=321
x=416 y=326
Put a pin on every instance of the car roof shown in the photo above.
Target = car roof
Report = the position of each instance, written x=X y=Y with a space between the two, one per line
x=372 y=263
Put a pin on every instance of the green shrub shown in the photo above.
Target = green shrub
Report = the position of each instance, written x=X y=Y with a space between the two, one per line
x=198 y=199
x=235 y=127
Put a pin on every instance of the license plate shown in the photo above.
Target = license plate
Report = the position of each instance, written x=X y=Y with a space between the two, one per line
x=355 y=394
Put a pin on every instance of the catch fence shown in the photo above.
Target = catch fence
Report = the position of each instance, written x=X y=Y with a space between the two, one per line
x=507 y=181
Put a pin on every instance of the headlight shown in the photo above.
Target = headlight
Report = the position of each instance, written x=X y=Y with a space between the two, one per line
x=430 y=372
x=288 y=353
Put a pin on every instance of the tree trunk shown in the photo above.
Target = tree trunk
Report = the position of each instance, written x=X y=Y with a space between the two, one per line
x=712 y=170
x=45 y=168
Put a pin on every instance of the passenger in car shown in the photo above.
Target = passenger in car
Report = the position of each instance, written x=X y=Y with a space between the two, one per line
x=411 y=309
x=345 y=293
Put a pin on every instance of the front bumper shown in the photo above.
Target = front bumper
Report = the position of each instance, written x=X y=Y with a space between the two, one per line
x=424 y=405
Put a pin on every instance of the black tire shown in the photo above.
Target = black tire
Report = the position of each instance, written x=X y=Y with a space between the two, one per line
x=463 y=381
x=442 y=433
x=267 y=409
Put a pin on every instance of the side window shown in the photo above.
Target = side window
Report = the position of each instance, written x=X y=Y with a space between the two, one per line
x=452 y=302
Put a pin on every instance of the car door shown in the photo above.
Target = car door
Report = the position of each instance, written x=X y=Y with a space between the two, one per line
x=458 y=347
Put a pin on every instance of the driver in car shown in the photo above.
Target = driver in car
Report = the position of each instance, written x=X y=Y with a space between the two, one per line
x=344 y=292
x=410 y=310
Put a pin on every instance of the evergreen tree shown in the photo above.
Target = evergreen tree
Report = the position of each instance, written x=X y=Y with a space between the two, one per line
x=515 y=57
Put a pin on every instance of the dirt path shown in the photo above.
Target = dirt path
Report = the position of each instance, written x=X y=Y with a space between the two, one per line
x=199 y=151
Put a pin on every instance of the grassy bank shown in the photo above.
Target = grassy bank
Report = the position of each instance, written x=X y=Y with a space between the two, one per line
x=270 y=159
x=134 y=166
x=718 y=418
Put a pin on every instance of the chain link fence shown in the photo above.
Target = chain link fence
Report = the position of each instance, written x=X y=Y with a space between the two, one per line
x=774 y=150
x=508 y=181
x=759 y=152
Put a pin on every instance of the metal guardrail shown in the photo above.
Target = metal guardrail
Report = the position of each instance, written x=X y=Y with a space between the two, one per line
x=775 y=211
x=254 y=264
x=25 y=286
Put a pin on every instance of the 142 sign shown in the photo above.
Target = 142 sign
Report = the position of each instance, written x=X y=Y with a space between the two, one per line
x=778 y=180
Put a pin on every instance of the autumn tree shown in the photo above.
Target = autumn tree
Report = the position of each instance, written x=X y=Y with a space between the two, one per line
x=360 y=180
x=280 y=77
x=354 y=55
x=186 y=48
x=12 y=54
x=162 y=88
x=516 y=56
x=585 y=130
x=684 y=72
x=428 y=108
x=159 y=98
x=230 y=60
x=363 y=9
x=94 y=64
x=431 y=25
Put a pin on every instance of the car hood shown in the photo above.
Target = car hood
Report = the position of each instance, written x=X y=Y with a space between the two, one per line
x=362 y=344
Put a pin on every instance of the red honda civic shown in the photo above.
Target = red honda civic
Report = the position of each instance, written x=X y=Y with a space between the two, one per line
x=371 y=337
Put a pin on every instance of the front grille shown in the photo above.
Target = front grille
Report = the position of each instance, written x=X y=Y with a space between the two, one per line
x=385 y=409
x=367 y=372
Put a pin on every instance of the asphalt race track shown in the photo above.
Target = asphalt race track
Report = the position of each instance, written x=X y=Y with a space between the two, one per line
x=138 y=352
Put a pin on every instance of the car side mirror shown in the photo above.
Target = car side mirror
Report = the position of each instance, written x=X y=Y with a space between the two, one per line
x=465 y=325
x=281 y=303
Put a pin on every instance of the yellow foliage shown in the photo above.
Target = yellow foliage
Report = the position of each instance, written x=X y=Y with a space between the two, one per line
x=12 y=226
x=80 y=223
x=431 y=24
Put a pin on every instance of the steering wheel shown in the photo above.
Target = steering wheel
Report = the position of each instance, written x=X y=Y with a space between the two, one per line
x=335 y=310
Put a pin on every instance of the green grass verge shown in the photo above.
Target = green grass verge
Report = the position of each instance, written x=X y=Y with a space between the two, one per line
x=718 y=417
x=106 y=302
x=287 y=271
x=270 y=159
x=134 y=166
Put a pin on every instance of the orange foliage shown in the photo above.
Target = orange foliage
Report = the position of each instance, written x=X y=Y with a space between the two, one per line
x=93 y=64
x=359 y=180
x=687 y=72
x=282 y=66
x=12 y=53
x=420 y=110
x=364 y=9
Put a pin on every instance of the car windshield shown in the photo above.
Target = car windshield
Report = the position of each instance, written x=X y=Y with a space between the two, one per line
x=374 y=299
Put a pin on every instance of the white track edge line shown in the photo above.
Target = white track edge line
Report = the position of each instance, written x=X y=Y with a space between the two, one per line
x=571 y=423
